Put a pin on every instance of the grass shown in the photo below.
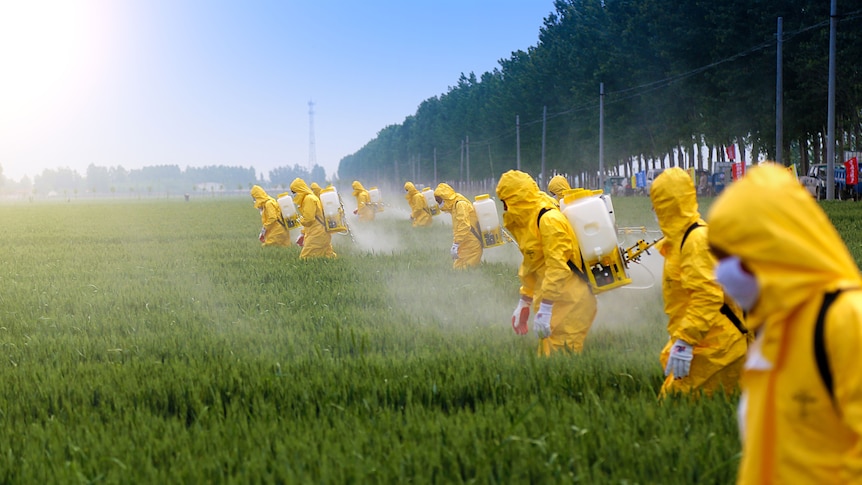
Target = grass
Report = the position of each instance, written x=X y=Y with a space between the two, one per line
x=157 y=342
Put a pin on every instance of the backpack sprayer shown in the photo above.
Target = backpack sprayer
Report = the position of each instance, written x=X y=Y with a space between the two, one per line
x=376 y=200
x=333 y=212
x=604 y=263
x=430 y=201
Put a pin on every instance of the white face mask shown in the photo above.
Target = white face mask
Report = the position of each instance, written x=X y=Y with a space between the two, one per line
x=739 y=284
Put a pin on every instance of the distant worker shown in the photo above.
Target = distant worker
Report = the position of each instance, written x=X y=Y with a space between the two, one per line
x=274 y=231
x=420 y=214
x=557 y=187
x=315 y=189
x=782 y=259
x=707 y=334
x=553 y=281
x=466 y=239
x=364 y=209
x=316 y=241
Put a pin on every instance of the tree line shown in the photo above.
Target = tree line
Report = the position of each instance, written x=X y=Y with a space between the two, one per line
x=682 y=81
x=157 y=179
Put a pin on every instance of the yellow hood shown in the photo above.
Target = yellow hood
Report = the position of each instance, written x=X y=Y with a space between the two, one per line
x=674 y=199
x=522 y=199
x=411 y=190
x=315 y=189
x=789 y=244
x=260 y=196
x=357 y=188
x=299 y=187
x=449 y=196
x=558 y=185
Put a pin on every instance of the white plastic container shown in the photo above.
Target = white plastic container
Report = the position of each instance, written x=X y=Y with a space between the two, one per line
x=606 y=198
x=430 y=201
x=592 y=224
x=489 y=222
x=566 y=195
x=376 y=200
x=288 y=211
x=333 y=214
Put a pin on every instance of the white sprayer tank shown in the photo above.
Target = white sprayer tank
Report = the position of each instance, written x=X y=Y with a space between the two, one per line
x=333 y=215
x=592 y=223
x=489 y=222
x=288 y=211
x=376 y=199
x=430 y=201
x=606 y=198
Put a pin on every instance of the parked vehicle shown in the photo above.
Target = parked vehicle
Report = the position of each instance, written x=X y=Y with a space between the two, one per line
x=815 y=182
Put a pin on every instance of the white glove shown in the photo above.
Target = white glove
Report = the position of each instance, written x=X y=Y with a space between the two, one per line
x=542 y=320
x=679 y=361
x=454 y=251
x=520 y=316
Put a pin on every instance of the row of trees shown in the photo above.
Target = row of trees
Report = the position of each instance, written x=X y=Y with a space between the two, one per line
x=682 y=80
x=157 y=179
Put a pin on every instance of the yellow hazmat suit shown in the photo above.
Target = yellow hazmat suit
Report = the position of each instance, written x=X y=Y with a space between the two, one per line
x=466 y=238
x=318 y=242
x=419 y=212
x=557 y=186
x=364 y=209
x=693 y=300
x=547 y=245
x=315 y=189
x=274 y=231
x=793 y=430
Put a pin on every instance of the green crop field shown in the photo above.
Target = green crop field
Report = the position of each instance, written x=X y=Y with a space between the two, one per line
x=157 y=342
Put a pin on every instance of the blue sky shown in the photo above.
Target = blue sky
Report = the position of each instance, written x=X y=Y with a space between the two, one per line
x=227 y=82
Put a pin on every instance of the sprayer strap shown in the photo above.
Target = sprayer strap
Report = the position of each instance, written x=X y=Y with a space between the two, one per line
x=687 y=232
x=572 y=266
x=727 y=312
x=820 y=342
x=472 y=229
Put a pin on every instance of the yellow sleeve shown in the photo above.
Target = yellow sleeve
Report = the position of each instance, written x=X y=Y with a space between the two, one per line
x=843 y=339
x=270 y=213
x=705 y=296
x=308 y=211
x=417 y=204
x=461 y=222
x=557 y=244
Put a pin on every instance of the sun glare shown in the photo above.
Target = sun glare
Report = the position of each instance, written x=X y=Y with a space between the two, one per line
x=48 y=53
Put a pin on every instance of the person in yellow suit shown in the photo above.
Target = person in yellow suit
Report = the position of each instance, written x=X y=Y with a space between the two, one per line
x=274 y=231
x=782 y=259
x=364 y=209
x=557 y=186
x=315 y=189
x=466 y=247
x=708 y=337
x=419 y=212
x=316 y=242
x=552 y=276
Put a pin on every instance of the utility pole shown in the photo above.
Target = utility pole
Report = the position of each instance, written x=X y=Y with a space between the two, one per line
x=435 y=168
x=468 y=160
x=830 y=130
x=601 y=135
x=542 y=182
x=779 y=97
x=518 y=141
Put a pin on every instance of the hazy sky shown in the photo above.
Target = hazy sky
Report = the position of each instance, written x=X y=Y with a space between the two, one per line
x=212 y=82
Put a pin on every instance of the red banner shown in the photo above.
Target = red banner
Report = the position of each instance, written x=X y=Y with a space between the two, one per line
x=731 y=152
x=851 y=169
x=736 y=171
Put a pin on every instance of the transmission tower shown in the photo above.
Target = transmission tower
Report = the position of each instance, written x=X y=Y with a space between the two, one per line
x=312 y=155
